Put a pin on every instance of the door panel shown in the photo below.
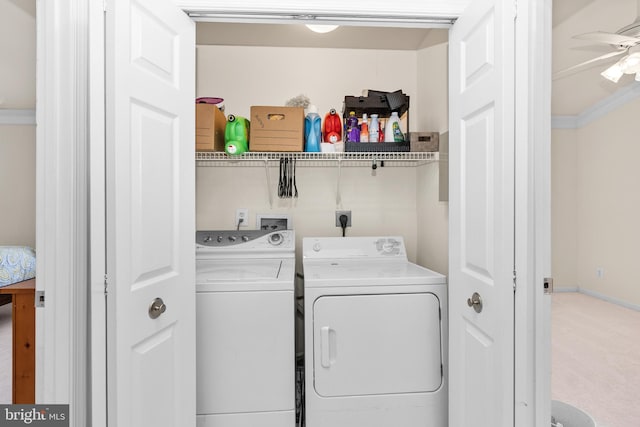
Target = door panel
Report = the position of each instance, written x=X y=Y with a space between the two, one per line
x=377 y=344
x=246 y=363
x=150 y=57
x=481 y=221
x=149 y=357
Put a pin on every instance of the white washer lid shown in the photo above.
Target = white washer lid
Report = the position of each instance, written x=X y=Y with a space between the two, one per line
x=244 y=275
x=327 y=273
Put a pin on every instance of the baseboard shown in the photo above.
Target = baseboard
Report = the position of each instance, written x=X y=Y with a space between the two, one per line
x=612 y=300
x=603 y=297
x=17 y=117
x=558 y=289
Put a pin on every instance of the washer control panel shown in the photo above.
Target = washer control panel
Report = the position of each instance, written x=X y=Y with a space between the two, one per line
x=244 y=239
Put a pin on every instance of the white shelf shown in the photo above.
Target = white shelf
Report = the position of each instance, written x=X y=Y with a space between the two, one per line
x=317 y=159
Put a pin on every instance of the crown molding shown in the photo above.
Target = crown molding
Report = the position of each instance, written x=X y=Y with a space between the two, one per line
x=17 y=117
x=599 y=109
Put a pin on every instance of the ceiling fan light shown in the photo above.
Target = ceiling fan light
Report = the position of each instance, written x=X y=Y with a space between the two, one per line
x=631 y=63
x=321 y=28
x=613 y=73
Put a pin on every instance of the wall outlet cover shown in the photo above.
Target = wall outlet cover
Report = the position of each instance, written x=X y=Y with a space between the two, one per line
x=340 y=213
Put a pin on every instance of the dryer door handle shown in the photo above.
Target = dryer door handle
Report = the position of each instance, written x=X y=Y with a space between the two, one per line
x=325 y=346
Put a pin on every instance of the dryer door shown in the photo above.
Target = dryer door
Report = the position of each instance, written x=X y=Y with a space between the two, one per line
x=377 y=344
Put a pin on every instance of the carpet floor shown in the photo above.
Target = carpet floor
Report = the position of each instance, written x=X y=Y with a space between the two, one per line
x=596 y=358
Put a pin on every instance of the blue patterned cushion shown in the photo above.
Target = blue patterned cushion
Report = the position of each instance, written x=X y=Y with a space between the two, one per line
x=17 y=263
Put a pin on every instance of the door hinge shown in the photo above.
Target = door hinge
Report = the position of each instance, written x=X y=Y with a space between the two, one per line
x=106 y=284
x=39 y=299
x=515 y=279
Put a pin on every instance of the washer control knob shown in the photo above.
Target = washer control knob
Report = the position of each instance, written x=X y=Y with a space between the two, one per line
x=232 y=238
x=276 y=239
x=317 y=247
x=245 y=238
x=208 y=239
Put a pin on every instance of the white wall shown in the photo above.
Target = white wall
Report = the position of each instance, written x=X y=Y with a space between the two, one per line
x=246 y=76
x=608 y=206
x=433 y=86
x=564 y=210
x=18 y=53
x=596 y=205
x=432 y=215
x=383 y=203
x=17 y=143
x=18 y=185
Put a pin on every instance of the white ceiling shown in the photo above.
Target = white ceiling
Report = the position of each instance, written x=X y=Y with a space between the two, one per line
x=571 y=95
x=574 y=94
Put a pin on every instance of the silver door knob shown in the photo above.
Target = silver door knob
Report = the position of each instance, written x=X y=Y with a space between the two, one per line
x=475 y=301
x=156 y=308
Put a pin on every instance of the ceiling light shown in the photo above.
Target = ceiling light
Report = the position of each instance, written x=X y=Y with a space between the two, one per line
x=613 y=73
x=631 y=63
x=321 y=28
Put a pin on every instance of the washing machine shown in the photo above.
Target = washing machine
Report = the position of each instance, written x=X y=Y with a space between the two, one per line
x=375 y=335
x=245 y=351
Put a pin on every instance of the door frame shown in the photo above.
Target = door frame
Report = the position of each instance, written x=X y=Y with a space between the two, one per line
x=69 y=80
x=532 y=211
x=62 y=199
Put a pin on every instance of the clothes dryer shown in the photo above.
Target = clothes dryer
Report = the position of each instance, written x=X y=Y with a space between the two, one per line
x=375 y=335
x=245 y=355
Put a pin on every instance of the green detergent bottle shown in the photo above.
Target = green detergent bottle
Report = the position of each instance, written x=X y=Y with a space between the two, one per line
x=236 y=135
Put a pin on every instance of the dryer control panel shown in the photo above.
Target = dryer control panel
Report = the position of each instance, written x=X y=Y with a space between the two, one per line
x=354 y=247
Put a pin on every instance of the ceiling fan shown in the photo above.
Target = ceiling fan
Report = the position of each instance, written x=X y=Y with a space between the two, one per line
x=625 y=41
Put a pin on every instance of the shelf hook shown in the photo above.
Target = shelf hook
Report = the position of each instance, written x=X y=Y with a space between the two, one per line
x=269 y=193
x=338 y=196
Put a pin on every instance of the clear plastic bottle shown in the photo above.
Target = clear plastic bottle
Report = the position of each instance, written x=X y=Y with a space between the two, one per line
x=312 y=131
x=374 y=128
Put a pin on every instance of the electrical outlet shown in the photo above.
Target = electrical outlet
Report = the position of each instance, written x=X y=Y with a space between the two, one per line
x=340 y=213
x=600 y=272
x=242 y=217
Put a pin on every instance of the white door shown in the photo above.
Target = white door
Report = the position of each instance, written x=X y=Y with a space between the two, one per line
x=481 y=215
x=150 y=74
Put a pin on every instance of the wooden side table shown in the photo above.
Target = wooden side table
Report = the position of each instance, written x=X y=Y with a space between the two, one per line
x=24 y=340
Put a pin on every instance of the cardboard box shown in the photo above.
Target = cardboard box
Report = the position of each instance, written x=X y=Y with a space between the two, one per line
x=210 y=125
x=277 y=129
x=424 y=141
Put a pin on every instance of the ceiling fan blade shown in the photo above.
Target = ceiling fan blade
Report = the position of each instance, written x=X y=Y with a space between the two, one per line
x=587 y=64
x=609 y=38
